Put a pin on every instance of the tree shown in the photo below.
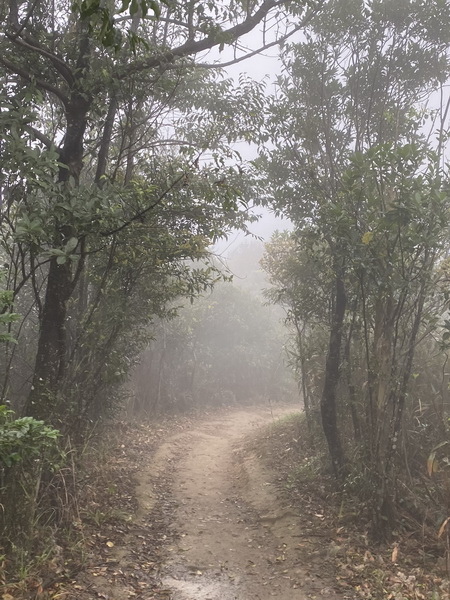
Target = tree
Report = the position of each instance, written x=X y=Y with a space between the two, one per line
x=107 y=145
x=300 y=283
x=349 y=93
x=402 y=226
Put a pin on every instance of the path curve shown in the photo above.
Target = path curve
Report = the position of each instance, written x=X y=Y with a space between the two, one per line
x=236 y=541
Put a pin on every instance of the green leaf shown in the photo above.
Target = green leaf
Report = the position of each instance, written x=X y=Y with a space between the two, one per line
x=367 y=237
x=71 y=245
x=155 y=8
x=7 y=338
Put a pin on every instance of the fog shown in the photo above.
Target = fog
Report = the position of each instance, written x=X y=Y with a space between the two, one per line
x=226 y=348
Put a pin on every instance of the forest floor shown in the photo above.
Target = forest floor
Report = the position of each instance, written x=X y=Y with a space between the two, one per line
x=209 y=508
x=210 y=524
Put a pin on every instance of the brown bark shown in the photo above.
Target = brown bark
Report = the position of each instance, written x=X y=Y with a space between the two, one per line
x=50 y=362
x=106 y=140
x=50 y=357
x=332 y=375
x=350 y=385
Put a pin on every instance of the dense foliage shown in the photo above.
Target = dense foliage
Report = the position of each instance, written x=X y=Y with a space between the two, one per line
x=358 y=164
x=117 y=173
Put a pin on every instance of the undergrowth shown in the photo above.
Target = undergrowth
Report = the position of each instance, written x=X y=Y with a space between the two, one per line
x=71 y=502
x=412 y=566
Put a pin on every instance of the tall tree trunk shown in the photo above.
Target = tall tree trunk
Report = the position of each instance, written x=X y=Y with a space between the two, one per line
x=385 y=511
x=105 y=144
x=51 y=350
x=350 y=385
x=303 y=388
x=332 y=374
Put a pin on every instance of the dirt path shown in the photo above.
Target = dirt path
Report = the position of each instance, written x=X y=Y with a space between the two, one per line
x=208 y=506
x=236 y=542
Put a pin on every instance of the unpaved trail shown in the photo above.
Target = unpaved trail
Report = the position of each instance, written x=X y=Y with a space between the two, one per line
x=236 y=542
x=208 y=508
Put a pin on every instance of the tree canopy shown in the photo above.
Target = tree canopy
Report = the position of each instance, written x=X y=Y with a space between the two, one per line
x=118 y=172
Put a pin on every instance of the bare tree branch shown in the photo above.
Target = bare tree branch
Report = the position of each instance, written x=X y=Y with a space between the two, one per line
x=25 y=21
x=40 y=136
x=57 y=62
x=141 y=214
x=259 y=50
x=193 y=47
x=154 y=20
x=39 y=82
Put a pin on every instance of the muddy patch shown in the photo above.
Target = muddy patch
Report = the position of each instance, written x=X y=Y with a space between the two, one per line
x=196 y=584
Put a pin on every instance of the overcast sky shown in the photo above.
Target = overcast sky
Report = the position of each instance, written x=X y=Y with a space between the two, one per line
x=264 y=66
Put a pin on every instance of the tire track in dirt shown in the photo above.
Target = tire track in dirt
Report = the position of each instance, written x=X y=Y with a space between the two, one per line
x=236 y=540
x=208 y=508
